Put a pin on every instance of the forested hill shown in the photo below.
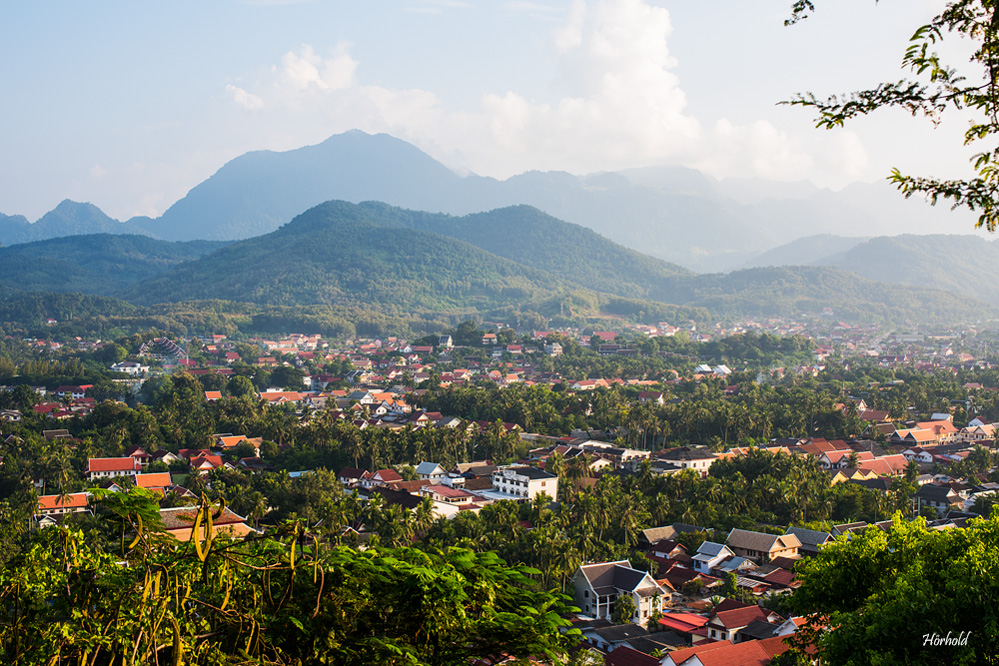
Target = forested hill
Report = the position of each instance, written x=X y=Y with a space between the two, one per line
x=528 y=236
x=94 y=264
x=336 y=253
x=790 y=291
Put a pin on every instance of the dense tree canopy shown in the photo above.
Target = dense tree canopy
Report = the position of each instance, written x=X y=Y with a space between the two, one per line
x=284 y=598
x=876 y=597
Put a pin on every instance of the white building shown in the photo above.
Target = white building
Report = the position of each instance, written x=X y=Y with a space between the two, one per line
x=598 y=587
x=130 y=368
x=431 y=471
x=524 y=483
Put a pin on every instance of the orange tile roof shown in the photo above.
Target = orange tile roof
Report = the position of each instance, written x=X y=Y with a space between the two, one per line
x=51 y=502
x=114 y=465
x=153 y=480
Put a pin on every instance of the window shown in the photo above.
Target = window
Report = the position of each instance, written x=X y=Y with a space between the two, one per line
x=586 y=594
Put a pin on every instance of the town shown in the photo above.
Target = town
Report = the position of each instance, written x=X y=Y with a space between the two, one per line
x=669 y=481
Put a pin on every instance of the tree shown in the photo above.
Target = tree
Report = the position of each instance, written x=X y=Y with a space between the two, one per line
x=240 y=386
x=624 y=609
x=936 y=88
x=880 y=594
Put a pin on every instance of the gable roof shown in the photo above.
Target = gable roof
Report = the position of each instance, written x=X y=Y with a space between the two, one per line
x=737 y=617
x=618 y=575
x=711 y=549
x=759 y=541
x=680 y=656
x=52 y=502
x=809 y=537
x=628 y=656
x=748 y=653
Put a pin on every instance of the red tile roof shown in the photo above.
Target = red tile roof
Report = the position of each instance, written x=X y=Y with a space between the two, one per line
x=738 y=617
x=749 y=653
x=629 y=656
x=680 y=656
x=682 y=621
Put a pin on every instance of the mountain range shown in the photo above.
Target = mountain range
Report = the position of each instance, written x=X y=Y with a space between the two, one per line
x=502 y=263
x=386 y=226
x=671 y=213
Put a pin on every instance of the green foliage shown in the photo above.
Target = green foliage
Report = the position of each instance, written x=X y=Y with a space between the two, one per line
x=624 y=609
x=894 y=588
x=94 y=263
x=935 y=89
x=275 y=599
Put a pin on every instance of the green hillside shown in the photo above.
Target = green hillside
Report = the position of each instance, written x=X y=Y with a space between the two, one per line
x=790 y=291
x=961 y=264
x=528 y=236
x=337 y=253
x=93 y=264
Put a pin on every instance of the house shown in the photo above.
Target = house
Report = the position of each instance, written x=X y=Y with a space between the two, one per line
x=918 y=454
x=709 y=555
x=351 y=476
x=139 y=454
x=598 y=587
x=811 y=540
x=653 y=397
x=159 y=481
x=430 y=471
x=669 y=548
x=697 y=459
x=203 y=464
x=178 y=522
x=686 y=625
x=59 y=505
x=724 y=625
x=165 y=457
x=629 y=656
x=74 y=392
x=852 y=474
x=762 y=546
x=382 y=477
x=130 y=368
x=10 y=415
x=939 y=497
x=106 y=468
x=749 y=653
x=523 y=482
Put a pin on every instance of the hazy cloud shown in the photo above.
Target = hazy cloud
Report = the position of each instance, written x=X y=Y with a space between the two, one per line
x=243 y=98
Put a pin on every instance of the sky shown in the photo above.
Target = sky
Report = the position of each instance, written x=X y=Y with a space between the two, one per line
x=129 y=105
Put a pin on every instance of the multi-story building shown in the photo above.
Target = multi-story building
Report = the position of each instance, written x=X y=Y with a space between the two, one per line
x=524 y=482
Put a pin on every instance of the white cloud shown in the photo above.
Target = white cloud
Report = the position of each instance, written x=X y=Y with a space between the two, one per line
x=616 y=102
x=306 y=69
x=243 y=98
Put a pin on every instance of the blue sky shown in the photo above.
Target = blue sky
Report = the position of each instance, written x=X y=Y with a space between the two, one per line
x=128 y=105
